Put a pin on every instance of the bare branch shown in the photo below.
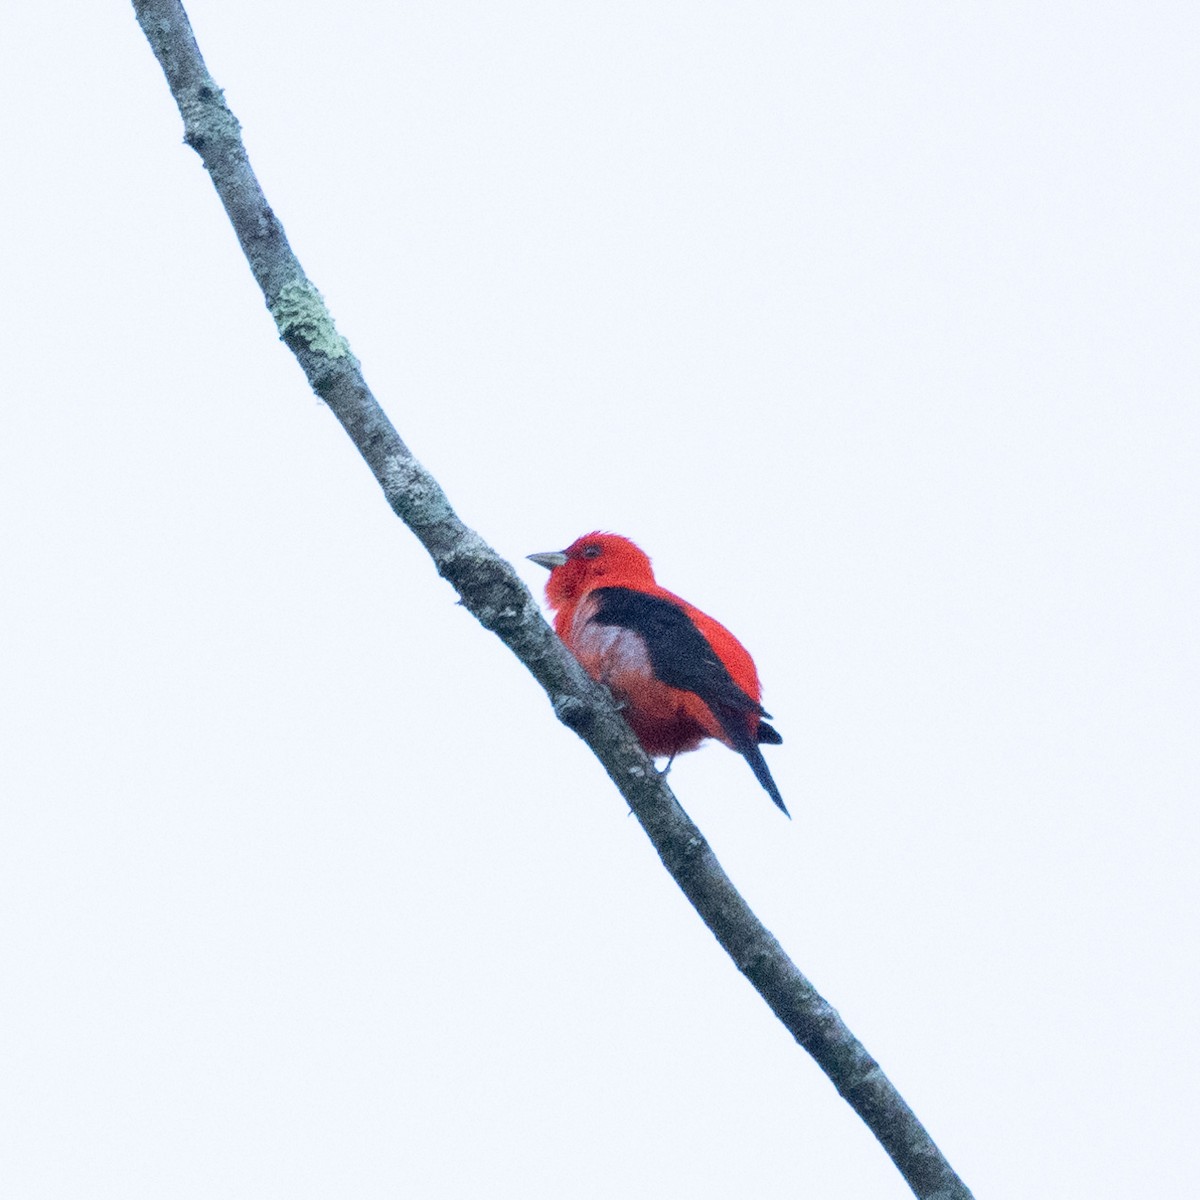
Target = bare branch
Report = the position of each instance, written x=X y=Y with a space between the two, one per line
x=492 y=591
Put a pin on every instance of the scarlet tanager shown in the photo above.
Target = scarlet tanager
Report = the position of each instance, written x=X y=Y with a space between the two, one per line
x=679 y=675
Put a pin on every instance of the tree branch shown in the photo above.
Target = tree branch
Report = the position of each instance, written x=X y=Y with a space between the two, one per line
x=492 y=591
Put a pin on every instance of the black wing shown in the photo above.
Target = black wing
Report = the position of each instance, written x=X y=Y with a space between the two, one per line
x=682 y=658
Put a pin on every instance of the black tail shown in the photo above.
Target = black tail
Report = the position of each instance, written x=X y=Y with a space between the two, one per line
x=758 y=764
x=734 y=722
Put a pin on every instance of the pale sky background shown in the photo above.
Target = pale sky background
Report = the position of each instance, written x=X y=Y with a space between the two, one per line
x=876 y=325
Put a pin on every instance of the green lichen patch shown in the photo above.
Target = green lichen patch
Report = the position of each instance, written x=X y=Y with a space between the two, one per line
x=300 y=315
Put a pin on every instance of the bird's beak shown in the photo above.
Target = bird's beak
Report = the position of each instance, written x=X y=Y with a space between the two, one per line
x=549 y=560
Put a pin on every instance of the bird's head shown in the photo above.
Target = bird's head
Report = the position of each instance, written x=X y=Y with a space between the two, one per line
x=594 y=560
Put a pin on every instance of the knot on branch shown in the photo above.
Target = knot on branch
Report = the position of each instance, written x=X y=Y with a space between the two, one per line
x=573 y=713
x=207 y=119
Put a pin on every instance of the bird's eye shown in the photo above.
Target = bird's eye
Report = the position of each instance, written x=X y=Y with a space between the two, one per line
x=591 y=552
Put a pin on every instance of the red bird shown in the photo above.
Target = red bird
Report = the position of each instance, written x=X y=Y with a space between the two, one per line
x=680 y=675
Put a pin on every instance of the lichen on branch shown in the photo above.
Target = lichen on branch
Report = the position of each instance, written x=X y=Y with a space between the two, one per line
x=301 y=316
